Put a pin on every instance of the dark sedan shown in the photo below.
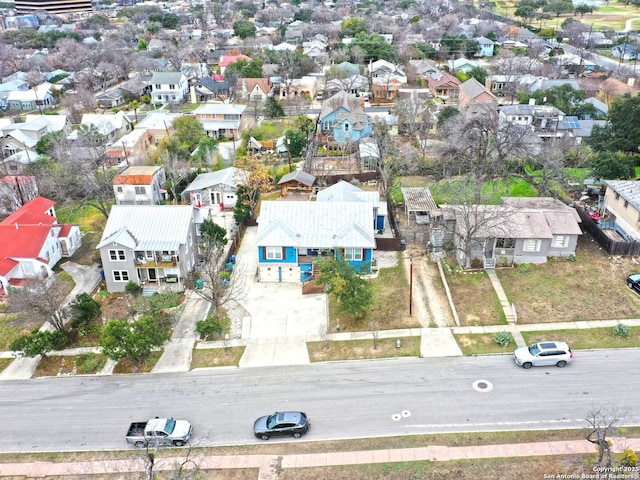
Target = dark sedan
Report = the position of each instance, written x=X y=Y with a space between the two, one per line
x=281 y=423
x=633 y=282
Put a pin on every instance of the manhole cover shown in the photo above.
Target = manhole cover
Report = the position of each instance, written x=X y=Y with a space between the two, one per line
x=405 y=413
x=396 y=417
x=482 y=386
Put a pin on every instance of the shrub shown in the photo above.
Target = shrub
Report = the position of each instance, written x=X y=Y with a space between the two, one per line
x=84 y=309
x=132 y=288
x=212 y=327
x=629 y=458
x=160 y=301
x=39 y=343
x=503 y=339
x=621 y=331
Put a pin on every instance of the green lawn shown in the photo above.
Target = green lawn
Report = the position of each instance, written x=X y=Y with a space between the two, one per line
x=586 y=338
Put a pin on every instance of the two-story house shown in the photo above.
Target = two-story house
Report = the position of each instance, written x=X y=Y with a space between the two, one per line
x=621 y=208
x=33 y=242
x=149 y=244
x=168 y=87
x=544 y=120
x=221 y=120
x=253 y=89
x=473 y=96
x=140 y=185
x=343 y=118
x=110 y=126
x=291 y=235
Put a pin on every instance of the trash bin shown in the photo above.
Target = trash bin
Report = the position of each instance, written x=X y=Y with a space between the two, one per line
x=199 y=284
x=232 y=259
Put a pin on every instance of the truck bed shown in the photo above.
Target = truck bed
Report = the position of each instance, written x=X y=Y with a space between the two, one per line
x=136 y=429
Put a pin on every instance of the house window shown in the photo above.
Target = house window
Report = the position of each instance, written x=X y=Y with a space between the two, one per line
x=141 y=191
x=120 y=276
x=617 y=196
x=346 y=127
x=117 y=255
x=626 y=204
x=273 y=253
x=172 y=87
x=505 y=242
x=157 y=87
x=119 y=189
x=560 y=241
x=531 y=245
x=353 y=254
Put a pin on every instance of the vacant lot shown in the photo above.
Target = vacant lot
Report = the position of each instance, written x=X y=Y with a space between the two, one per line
x=473 y=296
x=360 y=349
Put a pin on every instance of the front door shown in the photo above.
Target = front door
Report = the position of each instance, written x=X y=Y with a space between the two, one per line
x=216 y=198
x=152 y=275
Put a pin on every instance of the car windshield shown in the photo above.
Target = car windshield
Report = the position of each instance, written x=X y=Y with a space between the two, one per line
x=271 y=420
x=170 y=426
x=534 y=350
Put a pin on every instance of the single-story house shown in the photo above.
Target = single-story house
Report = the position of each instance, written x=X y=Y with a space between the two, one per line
x=215 y=188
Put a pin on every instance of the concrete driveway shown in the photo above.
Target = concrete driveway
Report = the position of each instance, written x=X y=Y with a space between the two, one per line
x=278 y=317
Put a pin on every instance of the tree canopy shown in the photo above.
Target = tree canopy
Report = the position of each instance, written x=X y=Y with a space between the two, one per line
x=352 y=292
x=622 y=130
x=244 y=29
x=133 y=340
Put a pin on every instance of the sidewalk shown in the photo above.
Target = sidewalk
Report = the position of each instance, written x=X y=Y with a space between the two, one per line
x=269 y=464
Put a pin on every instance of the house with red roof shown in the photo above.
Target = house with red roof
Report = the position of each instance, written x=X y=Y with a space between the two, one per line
x=226 y=60
x=33 y=242
x=140 y=185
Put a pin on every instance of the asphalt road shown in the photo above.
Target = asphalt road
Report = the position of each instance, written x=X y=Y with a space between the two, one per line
x=343 y=400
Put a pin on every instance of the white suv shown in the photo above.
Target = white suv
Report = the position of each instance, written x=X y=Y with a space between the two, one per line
x=543 y=353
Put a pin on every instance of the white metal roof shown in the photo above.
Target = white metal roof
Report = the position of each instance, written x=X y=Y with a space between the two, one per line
x=316 y=224
x=148 y=227
x=231 y=177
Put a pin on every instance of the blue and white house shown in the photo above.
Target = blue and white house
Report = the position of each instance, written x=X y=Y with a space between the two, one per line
x=346 y=192
x=343 y=118
x=291 y=235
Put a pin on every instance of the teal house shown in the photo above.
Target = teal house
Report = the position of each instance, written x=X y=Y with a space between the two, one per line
x=343 y=119
x=291 y=235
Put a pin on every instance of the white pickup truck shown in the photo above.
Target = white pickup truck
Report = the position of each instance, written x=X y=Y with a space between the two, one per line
x=159 y=431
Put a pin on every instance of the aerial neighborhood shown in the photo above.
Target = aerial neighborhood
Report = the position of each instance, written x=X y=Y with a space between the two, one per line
x=188 y=185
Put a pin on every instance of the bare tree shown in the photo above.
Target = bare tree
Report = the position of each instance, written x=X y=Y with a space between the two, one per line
x=177 y=171
x=485 y=149
x=602 y=423
x=553 y=157
x=41 y=299
x=416 y=117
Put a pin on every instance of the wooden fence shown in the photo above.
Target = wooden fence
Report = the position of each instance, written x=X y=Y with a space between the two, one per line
x=608 y=244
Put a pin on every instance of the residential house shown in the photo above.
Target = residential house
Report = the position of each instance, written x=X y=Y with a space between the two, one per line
x=57 y=123
x=315 y=49
x=298 y=183
x=158 y=124
x=212 y=88
x=221 y=120
x=168 y=87
x=15 y=191
x=545 y=121
x=385 y=85
x=343 y=118
x=33 y=242
x=424 y=67
x=620 y=212
x=18 y=163
x=613 y=88
x=462 y=64
x=486 y=47
x=110 y=99
x=110 y=126
x=150 y=245
x=355 y=84
x=17 y=137
x=140 y=185
x=544 y=84
x=284 y=46
x=601 y=109
x=444 y=85
x=291 y=235
x=6 y=87
x=38 y=97
x=132 y=148
x=474 y=97
x=521 y=230
x=346 y=192
x=625 y=51
x=384 y=67
x=217 y=188
x=253 y=89
x=226 y=60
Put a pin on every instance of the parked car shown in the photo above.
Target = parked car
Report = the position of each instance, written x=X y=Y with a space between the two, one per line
x=159 y=431
x=281 y=423
x=543 y=353
x=633 y=282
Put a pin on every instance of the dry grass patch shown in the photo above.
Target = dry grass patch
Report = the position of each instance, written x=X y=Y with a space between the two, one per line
x=386 y=311
x=128 y=366
x=230 y=474
x=361 y=349
x=85 y=364
x=476 y=469
x=482 y=344
x=584 y=339
x=14 y=326
x=591 y=288
x=474 y=297
x=216 y=357
x=4 y=363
